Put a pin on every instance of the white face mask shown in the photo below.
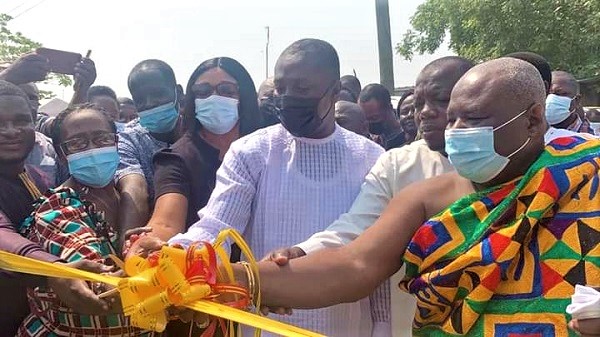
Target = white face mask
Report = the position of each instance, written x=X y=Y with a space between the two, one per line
x=218 y=114
x=557 y=108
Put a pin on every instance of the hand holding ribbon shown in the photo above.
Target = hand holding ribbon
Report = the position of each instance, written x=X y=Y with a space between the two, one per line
x=175 y=277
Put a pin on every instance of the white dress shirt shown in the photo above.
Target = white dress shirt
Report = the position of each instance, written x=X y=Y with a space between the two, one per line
x=277 y=189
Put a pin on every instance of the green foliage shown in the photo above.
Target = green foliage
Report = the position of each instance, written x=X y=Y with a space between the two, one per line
x=13 y=45
x=565 y=32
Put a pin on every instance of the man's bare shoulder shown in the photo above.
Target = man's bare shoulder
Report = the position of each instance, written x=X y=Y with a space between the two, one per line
x=442 y=182
x=437 y=193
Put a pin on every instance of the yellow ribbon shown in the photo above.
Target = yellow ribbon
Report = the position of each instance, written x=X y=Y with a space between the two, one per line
x=153 y=285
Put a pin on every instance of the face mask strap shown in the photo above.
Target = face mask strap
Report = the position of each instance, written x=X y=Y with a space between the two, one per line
x=331 y=106
x=520 y=148
x=511 y=120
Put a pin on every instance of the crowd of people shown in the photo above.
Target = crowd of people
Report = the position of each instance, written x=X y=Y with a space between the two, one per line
x=482 y=183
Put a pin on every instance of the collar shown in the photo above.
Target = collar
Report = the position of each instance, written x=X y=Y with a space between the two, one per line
x=576 y=125
x=320 y=140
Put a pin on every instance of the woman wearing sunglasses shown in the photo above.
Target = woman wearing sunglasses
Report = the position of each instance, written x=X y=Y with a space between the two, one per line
x=220 y=106
x=73 y=222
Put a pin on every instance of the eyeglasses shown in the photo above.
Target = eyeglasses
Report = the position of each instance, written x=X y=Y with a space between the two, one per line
x=226 y=89
x=79 y=144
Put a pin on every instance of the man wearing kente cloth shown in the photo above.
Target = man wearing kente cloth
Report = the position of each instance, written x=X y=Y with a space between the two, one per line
x=509 y=235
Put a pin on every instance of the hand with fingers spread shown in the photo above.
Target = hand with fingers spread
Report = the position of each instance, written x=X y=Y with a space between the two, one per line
x=281 y=257
x=27 y=68
x=78 y=295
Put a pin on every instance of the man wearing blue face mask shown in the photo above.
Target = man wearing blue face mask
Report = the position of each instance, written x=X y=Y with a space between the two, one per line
x=153 y=88
x=563 y=104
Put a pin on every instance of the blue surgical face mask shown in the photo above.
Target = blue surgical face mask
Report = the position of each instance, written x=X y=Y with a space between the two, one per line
x=161 y=119
x=557 y=108
x=95 y=167
x=471 y=151
x=217 y=114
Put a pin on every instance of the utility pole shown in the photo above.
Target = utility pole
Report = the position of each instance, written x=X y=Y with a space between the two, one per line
x=384 y=42
x=267 y=53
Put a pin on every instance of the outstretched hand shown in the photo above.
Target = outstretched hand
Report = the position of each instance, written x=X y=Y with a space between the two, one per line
x=78 y=295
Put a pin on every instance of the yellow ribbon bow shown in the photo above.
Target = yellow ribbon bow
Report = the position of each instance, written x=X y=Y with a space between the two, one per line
x=173 y=277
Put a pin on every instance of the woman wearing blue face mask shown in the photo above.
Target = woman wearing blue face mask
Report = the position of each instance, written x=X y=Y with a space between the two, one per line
x=73 y=222
x=220 y=106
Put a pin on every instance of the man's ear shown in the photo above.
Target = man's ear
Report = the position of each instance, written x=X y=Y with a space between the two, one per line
x=335 y=91
x=537 y=120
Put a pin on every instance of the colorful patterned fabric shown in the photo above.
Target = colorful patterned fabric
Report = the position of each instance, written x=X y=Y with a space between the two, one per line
x=71 y=229
x=505 y=261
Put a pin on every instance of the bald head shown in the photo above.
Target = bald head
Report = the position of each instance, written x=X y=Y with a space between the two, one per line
x=508 y=95
x=515 y=82
x=564 y=84
x=351 y=117
x=539 y=63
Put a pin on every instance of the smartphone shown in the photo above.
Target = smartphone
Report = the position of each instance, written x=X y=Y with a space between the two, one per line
x=61 y=62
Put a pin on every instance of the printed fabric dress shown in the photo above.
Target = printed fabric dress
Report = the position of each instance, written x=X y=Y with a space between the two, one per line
x=73 y=230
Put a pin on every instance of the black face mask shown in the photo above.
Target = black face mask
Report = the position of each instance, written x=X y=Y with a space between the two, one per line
x=376 y=128
x=299 y=115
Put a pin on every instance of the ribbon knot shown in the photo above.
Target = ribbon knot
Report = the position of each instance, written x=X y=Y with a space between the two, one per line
x=172 y=277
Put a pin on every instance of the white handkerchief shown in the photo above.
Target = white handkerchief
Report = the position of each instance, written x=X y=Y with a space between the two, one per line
x=585 y=303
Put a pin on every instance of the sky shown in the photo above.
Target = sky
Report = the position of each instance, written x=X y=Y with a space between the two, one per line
x=186 y=32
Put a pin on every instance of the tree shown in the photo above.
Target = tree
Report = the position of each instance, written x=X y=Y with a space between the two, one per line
x=565 y=32
x=13 y=45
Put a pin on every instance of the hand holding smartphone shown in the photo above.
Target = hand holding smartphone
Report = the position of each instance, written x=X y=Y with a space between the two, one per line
x=61 y=62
